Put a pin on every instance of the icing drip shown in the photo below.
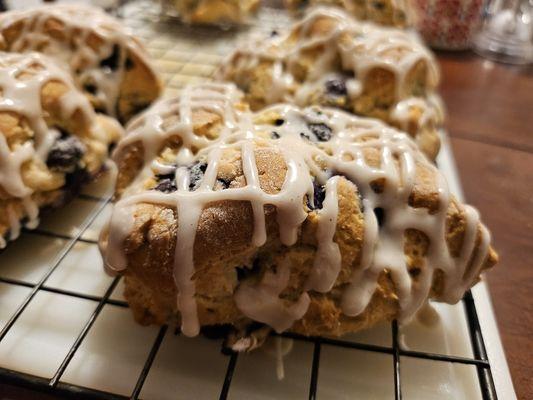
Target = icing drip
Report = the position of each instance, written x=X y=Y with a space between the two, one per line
x=91 y=44
x=363 y=282
x=278 y=348
x=361 y=47
x=262 y=302
x=22 y=78
x=314 y=143
x=327 y=262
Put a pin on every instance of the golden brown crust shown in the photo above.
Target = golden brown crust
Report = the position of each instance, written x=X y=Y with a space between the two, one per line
x=215 y=11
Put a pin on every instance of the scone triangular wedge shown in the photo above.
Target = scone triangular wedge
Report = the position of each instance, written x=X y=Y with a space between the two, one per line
x=330 y=59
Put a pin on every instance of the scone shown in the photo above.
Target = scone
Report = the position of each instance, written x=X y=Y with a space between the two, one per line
x=51 y=140
x=332 y=60
x=215 y=11
x=383 y=12
x=311 y=220
x=108 y=63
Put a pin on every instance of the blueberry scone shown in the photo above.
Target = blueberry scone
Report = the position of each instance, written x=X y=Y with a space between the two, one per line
x=108 y=63
x=311 y=220
x=215 y=11
x=51 y=140
x=383 y=12
x=332 y=60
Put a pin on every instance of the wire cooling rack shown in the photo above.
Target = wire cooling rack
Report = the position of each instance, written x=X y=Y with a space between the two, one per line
x=65 y=328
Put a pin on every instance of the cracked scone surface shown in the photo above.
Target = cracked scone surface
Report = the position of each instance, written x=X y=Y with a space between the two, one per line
x=215 y=11
x=51 y=140
x=383 y=12
x=310 y=220
x=107 y=62
x=332 y=60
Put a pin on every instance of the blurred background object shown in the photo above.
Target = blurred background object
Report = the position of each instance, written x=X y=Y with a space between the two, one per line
x=448 y=24
x=507 y=33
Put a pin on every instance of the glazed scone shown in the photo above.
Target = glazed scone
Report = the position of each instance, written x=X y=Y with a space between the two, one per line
x=108 y=63
x=51 y=140
x=215 y=11
x=382 y=12
x=330 y=59
x=311 y=220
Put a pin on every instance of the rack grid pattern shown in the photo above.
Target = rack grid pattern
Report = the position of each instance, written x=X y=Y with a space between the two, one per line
x=181 y=63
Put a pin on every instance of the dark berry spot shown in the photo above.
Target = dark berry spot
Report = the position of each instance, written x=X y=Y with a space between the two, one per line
x=165 y=176
x=336 y=87
x=380 y=215
x=65 y=154
x=274 y=33
x=321 y=131
x=378 y=5
x=304 y=135
x=279 y=122
x=129 y=64
x=414 y=272
x=166 y=185
x=274 y=135
x=196 y=173
x=245 y=271
x=111 y=62
x=73 y=183
x=224 y=183
x=319 y=194
x=377 y=185
x=90 y=88
x=110 y=147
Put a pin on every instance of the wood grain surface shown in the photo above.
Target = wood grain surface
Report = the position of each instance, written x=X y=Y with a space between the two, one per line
x=490 y=121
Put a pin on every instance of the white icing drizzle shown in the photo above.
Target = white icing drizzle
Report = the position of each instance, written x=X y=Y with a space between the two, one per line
x=262 y=302
x=22 y=77
x=306 y=159
x=360 y=46
x=88 y=36
x=327 y=263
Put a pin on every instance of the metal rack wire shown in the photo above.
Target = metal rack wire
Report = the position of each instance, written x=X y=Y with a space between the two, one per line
x=180 y=63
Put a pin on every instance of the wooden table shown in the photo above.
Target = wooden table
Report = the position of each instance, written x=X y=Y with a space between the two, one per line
x=490 y=121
